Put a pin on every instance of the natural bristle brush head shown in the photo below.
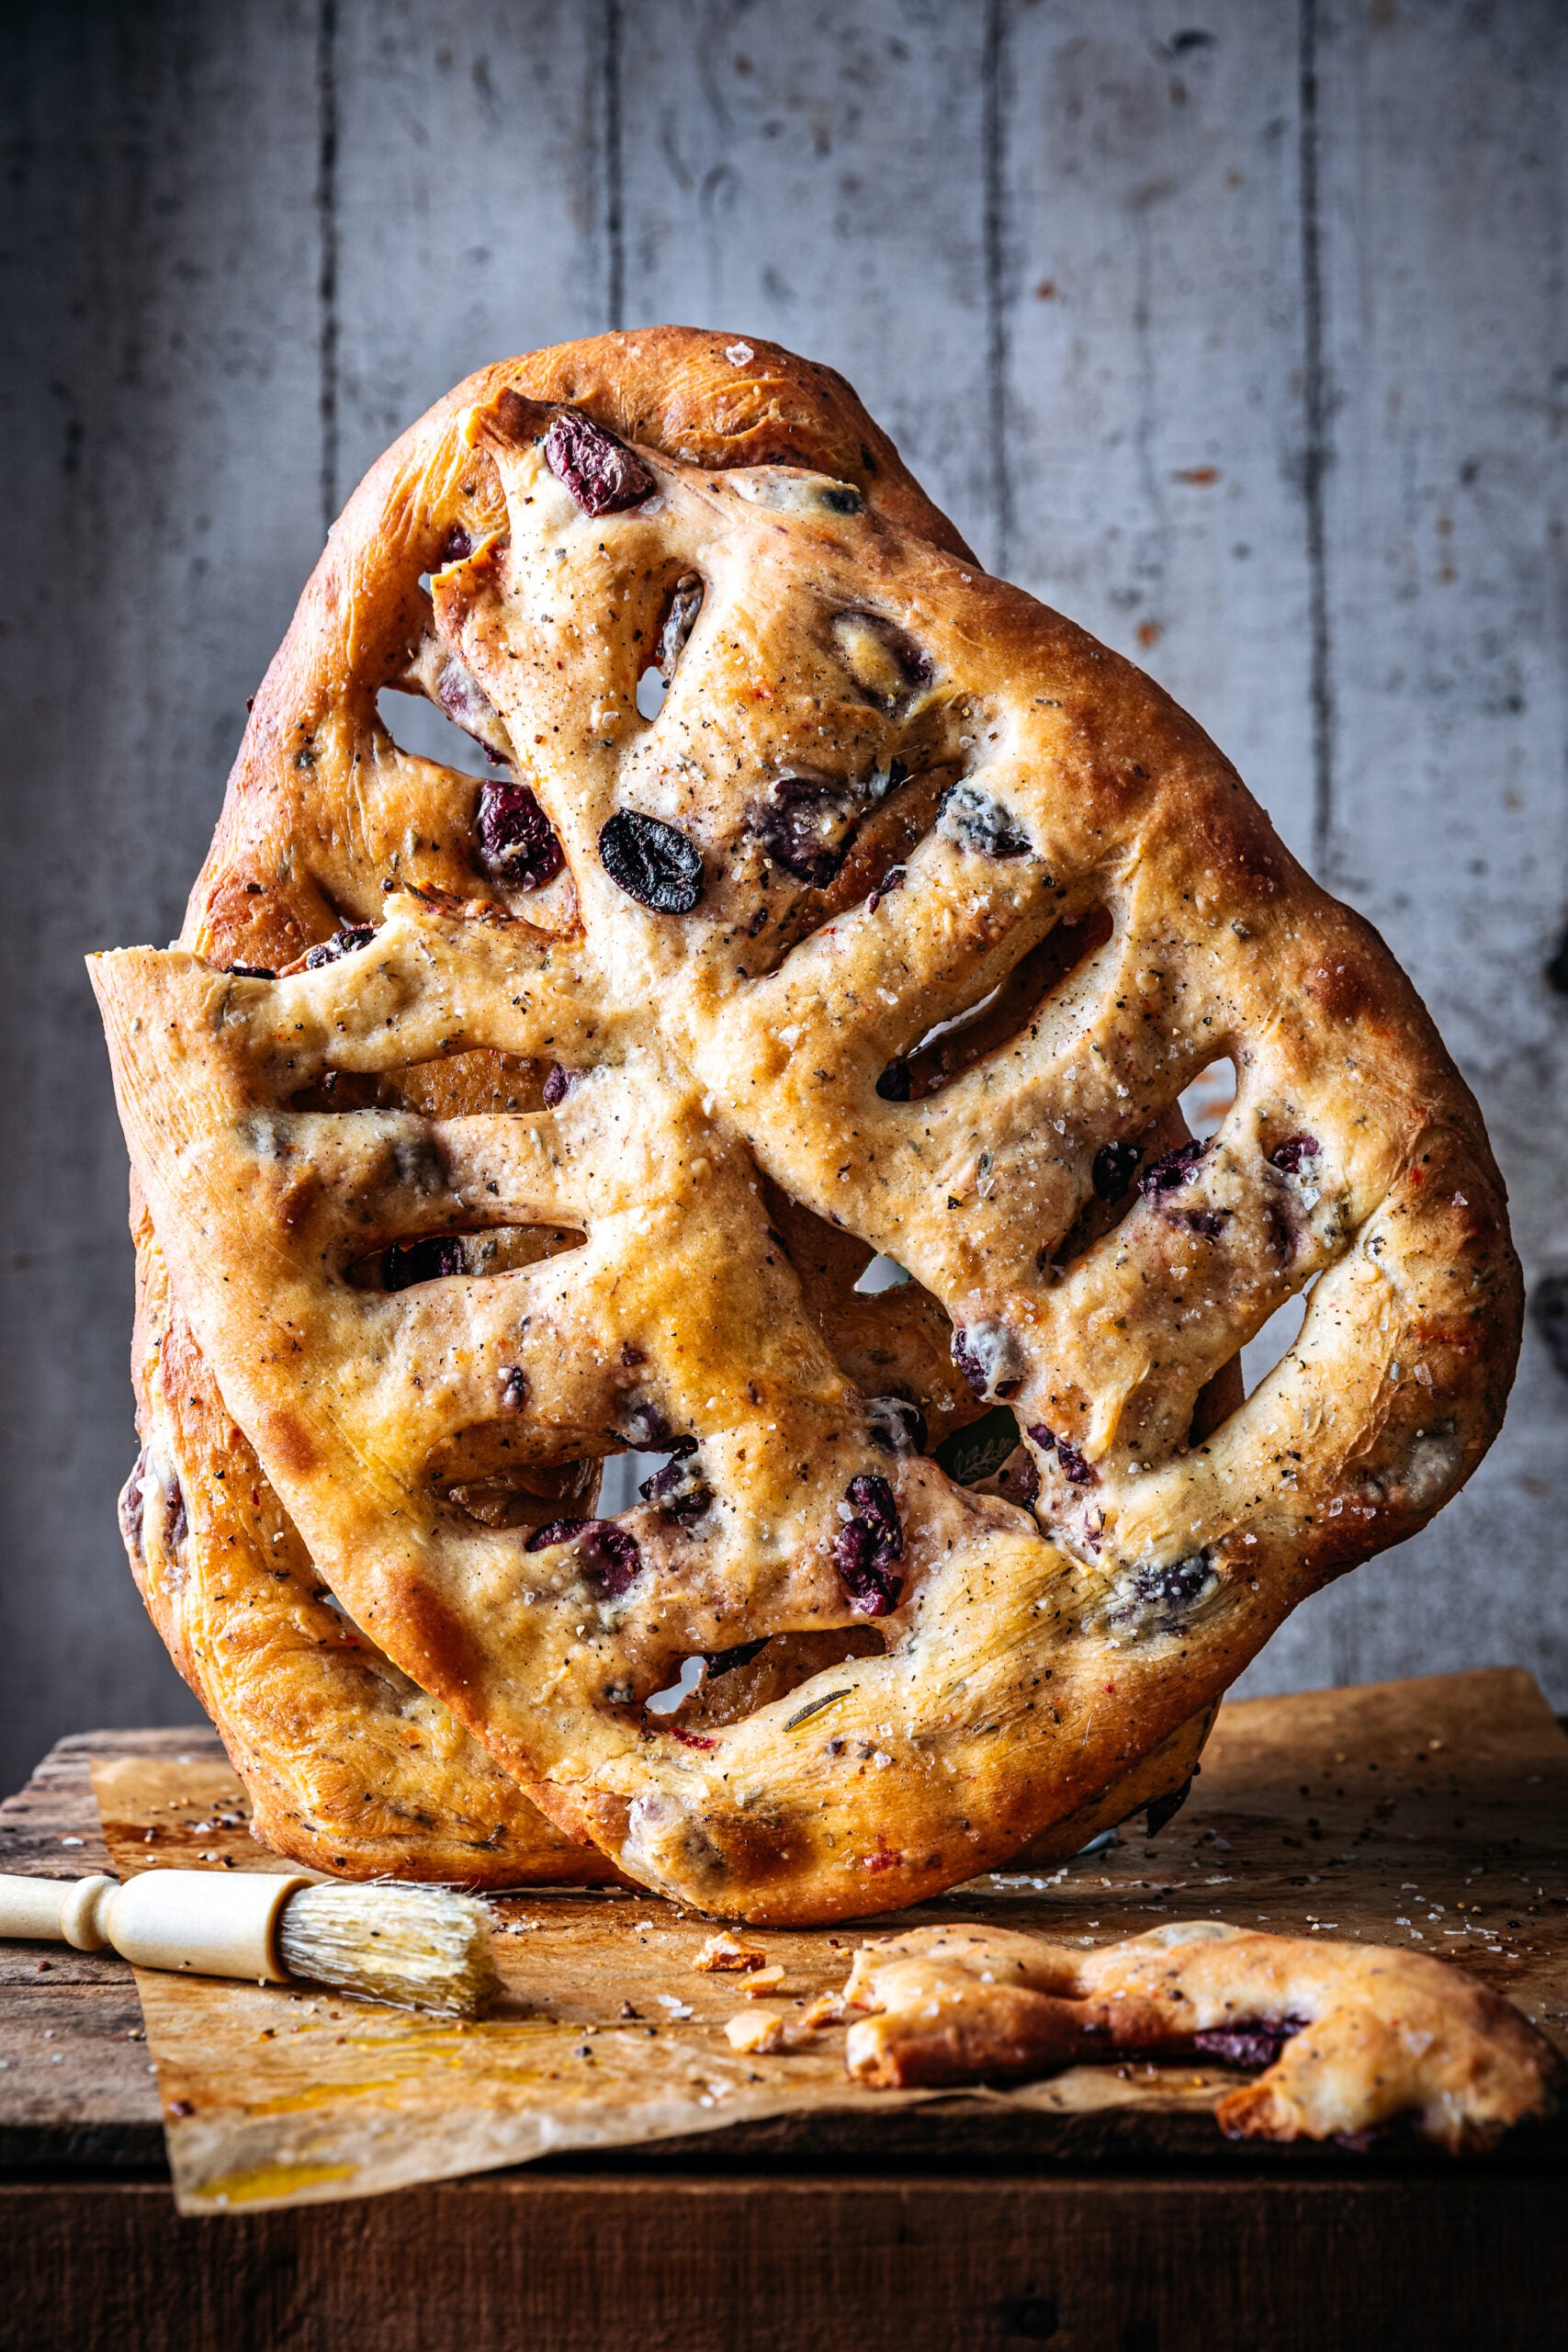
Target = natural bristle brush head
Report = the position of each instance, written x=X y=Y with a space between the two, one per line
x=417 y=1946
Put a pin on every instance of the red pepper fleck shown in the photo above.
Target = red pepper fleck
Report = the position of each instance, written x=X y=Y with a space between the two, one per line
x=690 y=1738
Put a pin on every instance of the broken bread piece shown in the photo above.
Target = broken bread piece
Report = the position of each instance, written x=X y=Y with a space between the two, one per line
x=1350 y=2038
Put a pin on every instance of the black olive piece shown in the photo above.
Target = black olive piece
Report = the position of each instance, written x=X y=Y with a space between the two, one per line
x=679 y=1488
x=651 y=862
x=346 y=942
x=1112 y=1170
x=977 y=822
x=806 y=828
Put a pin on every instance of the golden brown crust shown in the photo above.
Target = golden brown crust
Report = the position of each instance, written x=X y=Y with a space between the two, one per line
x=1034 y=1657
x=1365 y=2037
x=321 y=806
x=349 y=1768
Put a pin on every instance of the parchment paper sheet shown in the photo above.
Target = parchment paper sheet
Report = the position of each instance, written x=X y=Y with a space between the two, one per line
x=1374 y=1812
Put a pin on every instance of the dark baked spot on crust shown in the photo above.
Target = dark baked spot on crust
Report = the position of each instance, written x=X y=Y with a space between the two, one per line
x=1338 y=985
x=290 y=1443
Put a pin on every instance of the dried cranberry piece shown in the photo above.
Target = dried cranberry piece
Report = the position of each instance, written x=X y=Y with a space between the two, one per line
x=559 y=1084
x=557 y=1531
x=894 y=879
x=1172 y=1168
x=1020 y=1480
x=1112 y=1170
x=176 y=1525
x=253 y=971
x=133 y=1505
x=679 y=1488
x=725 y=1661
x=867 y=1545
x=976 y=821
x=515 y=1387
x=1287 y=1157
x=608 y=1557
x=894 y=1084
x=1256 y=2043
x=346 y=942
x=1206 y=1222
x=895 y=1425
x=515 y=840
x=969 y=1364
x=806 y=827
x=421 y=1261
x=651 y=862
x=1077 y=1471
x=649 y=1430
x=990 y=1359
x=602 y=474
x=456 y=548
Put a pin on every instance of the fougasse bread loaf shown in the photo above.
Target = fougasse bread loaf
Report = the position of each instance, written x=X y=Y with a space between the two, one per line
x=826 y=898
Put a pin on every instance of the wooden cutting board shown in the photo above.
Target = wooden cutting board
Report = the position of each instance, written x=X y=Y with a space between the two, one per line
x=1428 y=1813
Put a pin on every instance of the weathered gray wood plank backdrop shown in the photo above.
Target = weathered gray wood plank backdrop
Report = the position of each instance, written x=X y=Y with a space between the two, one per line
x=1235 y=327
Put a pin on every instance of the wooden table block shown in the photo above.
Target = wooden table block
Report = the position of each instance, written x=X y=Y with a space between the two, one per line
x=959 y=2227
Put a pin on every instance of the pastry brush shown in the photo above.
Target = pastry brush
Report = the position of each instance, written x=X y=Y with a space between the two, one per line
x=419 y=1948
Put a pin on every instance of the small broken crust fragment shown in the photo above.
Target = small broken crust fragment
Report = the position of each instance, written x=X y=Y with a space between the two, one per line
x=726 y=1952
x=1352 y=2036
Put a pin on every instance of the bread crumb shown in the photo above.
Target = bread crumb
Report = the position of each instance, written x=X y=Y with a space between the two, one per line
x=761 y=1981
x=757 y=2035
x=725 y=1951
x=767 y=2032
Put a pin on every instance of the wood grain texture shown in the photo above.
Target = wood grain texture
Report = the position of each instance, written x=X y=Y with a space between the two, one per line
x=1317 y=248
x=575 y=2259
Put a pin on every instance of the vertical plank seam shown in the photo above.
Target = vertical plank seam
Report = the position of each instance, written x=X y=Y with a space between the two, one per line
x=327 y=254
x=614 y=167
x=993 y=129
x=1317 y=452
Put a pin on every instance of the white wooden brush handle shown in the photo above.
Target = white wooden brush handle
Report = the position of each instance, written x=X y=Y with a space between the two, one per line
x=202 y=1921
